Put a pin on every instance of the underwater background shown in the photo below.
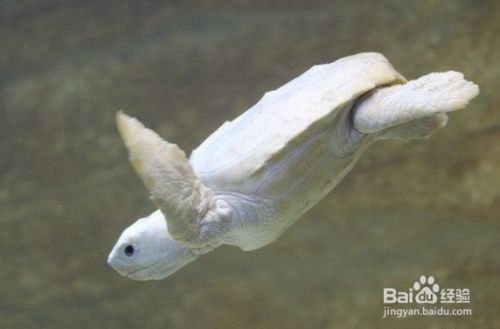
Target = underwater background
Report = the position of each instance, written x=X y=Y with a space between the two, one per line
x=184 y=67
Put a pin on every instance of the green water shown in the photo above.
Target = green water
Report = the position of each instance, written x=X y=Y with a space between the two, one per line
x=184 y=67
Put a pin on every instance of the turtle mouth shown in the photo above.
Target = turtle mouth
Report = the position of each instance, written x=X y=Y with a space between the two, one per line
x=141 y=273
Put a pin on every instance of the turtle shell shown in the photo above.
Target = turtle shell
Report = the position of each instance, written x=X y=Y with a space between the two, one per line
x=235 y=156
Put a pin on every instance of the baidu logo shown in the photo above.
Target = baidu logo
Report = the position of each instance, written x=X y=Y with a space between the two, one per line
x=426 y=292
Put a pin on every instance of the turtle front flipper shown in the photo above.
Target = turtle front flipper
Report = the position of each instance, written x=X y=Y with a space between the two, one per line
x=171 y=181
x=412 y=103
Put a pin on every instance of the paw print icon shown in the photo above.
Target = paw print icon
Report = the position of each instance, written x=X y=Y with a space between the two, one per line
x=426 y=290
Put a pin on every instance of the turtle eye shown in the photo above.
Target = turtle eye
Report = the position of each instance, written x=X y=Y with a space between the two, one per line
x=129 y=250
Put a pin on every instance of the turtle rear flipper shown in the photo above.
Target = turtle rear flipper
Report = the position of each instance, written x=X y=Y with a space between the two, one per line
x=416 y=129
x=425 y=97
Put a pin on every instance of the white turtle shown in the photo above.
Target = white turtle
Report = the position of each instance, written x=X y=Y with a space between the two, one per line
x=255 y=176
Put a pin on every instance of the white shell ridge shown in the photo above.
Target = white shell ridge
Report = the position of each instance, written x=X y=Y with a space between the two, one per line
x=233 y=157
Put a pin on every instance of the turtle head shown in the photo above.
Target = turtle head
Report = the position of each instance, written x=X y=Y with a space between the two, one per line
x=146 y=251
